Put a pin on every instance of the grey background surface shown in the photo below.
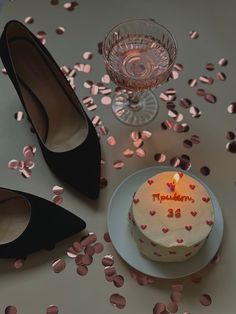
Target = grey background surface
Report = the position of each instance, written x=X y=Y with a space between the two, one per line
x=35 y=286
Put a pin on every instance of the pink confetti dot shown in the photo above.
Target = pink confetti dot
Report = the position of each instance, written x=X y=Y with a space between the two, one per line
x=118 y=281
x=52 y=309
x=176 y=296
x=106 y=100
x=82 y=270
x=19 y=263
x=57 y=190
x=111 y=141
x=58 y=265
x=87 y=68
x=146 y=135
x=159 y=308
x=71 y=252
x=193 y=35
x=118 y=164
x=106 y=237
x=98 y=247
x=107 y=260
x=87 y=55
x=10 y=309
x=13 y=164
x=106 y=79
x=205 y=300
x=29 y=20
x=57 y=199
x=19 y=115
x=4 y=71
x=140 y=152
x=118 y=300
x=128 y=153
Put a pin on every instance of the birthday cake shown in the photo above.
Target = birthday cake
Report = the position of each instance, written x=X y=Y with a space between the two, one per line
x=171 y=216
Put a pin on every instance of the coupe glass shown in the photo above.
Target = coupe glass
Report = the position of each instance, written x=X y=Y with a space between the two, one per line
x=139 y=55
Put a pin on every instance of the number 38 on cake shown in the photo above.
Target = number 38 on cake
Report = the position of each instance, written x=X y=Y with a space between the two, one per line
x=171 y=216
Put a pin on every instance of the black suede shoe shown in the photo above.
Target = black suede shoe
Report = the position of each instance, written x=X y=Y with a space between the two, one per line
x=29 y=223
x=66 y=135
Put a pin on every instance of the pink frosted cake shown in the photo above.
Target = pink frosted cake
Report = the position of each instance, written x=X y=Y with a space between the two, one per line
x=170 y=220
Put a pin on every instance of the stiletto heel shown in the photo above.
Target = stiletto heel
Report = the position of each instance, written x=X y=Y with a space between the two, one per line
x=66 y=135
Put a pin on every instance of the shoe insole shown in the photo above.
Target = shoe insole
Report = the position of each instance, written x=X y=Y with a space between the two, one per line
x=60 y=125
x=15 y=215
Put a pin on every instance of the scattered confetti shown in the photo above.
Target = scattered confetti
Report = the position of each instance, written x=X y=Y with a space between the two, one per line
x=231 y=147
x=29 y=20
x=159 y=157
x=98 y=247
x=118 y=164
x=205 y=171
x=205 y=300
x=230 y=135
x=193 y=35
x=19 y=263
x=58 y=265
x=172 y=307
x=82 y=270
x=106 y=79
x=10 y=309
x=118 y=281
x=140 y=152
x=103 y=182
x=221 y=76
x=60 y=30
x=206 y=79
x=87 y=55
x=107 y=260
x=57 y=190
x=111 y=141
x=159 y=308
x=192 y=82
x=87 y=68
x=216 y=259
x=118 y=300
x=185 y=103
x=106 y=237
x=232 y=108
x=128 y=153
x=210 y=98
x=19 y=115
x=106 y=100
x=210 y=66
x=223 y=62
x=52 y=309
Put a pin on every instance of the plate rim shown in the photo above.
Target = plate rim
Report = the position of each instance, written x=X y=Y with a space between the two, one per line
x=161 y=169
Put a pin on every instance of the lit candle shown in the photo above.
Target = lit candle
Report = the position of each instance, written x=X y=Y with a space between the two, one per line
x=175 y=180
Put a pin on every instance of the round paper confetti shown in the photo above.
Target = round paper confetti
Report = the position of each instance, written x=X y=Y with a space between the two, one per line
x=231 y=147
x=106 y=79
x=159 y=157
x=205 y=171
x=232 y=108
x=57 y=199
x=111 y=141
x=118 y=281
x=60 y=30
x=128 y=153
x=192 y=82
x=103 y=182
x=58 y=265
x=193 y=35
x=82 y=270
x=87 y=55
x=10 y=309
x=210 y=98
x=52 y=309
x=106 y=237
x=13 y=164
x=19 y=263
x=57 y=190
x=205 y=300
x=107 y=260
x=159 y=308
x=230 y=135
x=118 y=300
x=87 y=68
x=118 y=164
x=106 y=100
x=140 y=152
x=223 y=62
x=98 y=247
x=210 y=66
x=29 y=20
x=221 y=76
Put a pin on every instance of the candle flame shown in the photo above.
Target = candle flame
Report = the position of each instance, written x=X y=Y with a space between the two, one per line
x=176 y=178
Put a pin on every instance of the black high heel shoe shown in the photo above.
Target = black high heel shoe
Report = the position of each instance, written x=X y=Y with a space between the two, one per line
x=66 y=135
x=30 y=223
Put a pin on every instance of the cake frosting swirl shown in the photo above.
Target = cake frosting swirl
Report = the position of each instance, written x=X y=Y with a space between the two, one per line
x=170 y=222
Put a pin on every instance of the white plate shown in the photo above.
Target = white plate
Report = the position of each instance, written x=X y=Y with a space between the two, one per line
x=117 y=222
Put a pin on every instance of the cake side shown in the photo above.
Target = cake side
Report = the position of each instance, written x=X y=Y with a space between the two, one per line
x=171 y=225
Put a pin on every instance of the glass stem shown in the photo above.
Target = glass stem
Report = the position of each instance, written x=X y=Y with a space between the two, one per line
x=133 y=98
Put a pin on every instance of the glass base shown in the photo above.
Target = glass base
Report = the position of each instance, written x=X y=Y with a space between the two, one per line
x=136 y=114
